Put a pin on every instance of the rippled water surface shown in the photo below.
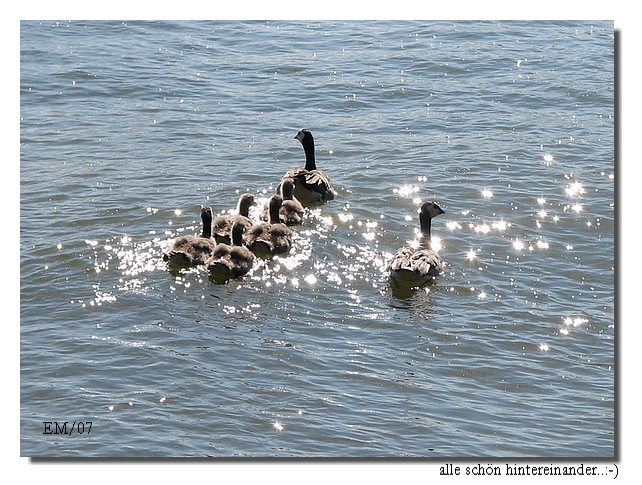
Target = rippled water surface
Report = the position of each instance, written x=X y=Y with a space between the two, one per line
x=127 y=128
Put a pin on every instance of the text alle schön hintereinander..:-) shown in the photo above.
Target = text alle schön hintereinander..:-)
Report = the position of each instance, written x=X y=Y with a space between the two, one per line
x=528 y=470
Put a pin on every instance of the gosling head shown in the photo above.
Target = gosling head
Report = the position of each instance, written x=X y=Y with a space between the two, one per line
x=245 y=202
x=287 y=188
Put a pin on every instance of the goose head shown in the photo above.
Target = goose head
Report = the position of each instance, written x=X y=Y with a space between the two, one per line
x=275 y=204
x=287 y=188
x=426 y=213
x=430 y=209
x=245 y=202
x=304 y=136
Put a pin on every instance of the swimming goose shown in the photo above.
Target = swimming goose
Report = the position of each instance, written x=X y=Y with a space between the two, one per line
x=416 y=267
x=222 y=226
x=291 y=211
x=311 y=185
x=271 y=238
x=231 y=261
x=193 y=250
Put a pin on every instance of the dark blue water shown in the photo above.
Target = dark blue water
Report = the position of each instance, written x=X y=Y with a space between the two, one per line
x=127 y=128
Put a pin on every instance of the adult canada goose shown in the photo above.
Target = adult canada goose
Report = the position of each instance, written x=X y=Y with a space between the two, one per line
x=222 y=226
x=231 y=261
x=193 y=250
x=291 y=211
x=418 y=266
x=267 y=239
x=311 y=185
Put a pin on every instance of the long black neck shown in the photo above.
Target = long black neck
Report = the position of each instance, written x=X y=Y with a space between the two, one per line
x=426 y=222
x=206 y=217
x=308 y=147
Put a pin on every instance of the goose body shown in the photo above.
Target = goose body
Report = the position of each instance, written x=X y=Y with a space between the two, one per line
x=193 y=250
x=311 y=185
x=271 y=238
x=291 y=211
x=231 y=261
x=222 y=226
x=418 y=266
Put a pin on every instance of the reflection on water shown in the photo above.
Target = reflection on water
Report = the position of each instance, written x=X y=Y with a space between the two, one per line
x=575 y=189
x=137 y=260
x=404 y=290
x=356 y=248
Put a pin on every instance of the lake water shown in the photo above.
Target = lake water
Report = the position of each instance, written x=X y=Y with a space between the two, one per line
x=127 y=128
